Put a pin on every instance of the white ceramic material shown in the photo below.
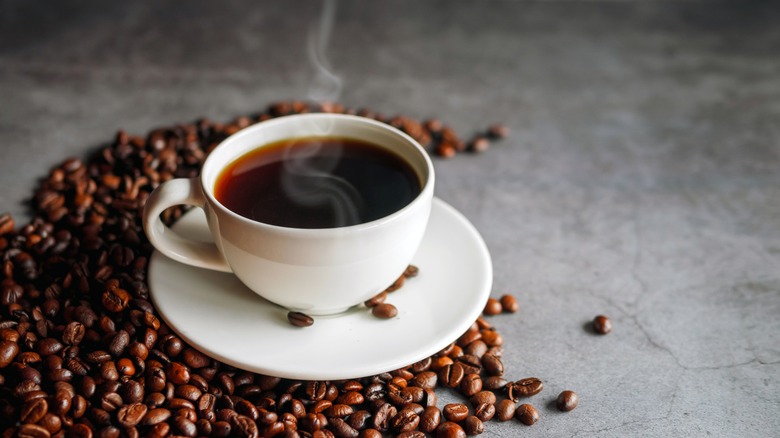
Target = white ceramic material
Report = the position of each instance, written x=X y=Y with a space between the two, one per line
x=218 y=315
x=316 y=271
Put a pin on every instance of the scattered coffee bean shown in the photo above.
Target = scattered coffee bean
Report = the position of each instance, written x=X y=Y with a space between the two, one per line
x=493 y=307
x=602 y=325
x=524 y=388
x=455 y=412
x=509 y=303
x=567 y=401
x=505 y=410
x=498 y=130
x=527 y=414
x=411 y=271
x=384 y=311
x=473 y=426
x=299 y=319
x=449 y=429
x=376 y=299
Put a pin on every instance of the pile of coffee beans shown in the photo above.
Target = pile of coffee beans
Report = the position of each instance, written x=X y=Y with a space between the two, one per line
x=83 y=352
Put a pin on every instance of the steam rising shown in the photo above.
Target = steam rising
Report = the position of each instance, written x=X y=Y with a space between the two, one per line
x=309 y=178
x=326 y=86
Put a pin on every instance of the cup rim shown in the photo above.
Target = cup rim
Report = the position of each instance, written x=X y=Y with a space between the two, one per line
x=426 y=191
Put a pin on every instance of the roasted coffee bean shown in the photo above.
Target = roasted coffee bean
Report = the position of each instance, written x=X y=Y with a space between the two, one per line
x=493 y=307
x=32 y=431
x=342 y=429
x=359 y=419
x=505 y=410
x=451 y=375
x=411 y=434
x=476 y=348
x=492 y=365
x=155 y=416
x=73 y=333
x=509 y=303
x=8 y=351
x=567 y=401
x=430 y=419
x=473 y=426
x=483 y=397
x=404 y=421
x=376 y=299
x=455 y=412
x=425 y=380
x=383 y=415
x=299 y=319
x=33 y=410
x=524 y=388
x=471 y=384
x=449 y=429
x=498 y=130
x=479 y=144
x=527 y=414
x=493 y=339
x=131 y=415
x=485 y=411
x=195 y=359
x=110 y=401
x=384 y=311
x=602 y=325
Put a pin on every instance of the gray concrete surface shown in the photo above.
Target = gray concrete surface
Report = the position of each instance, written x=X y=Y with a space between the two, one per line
x=641 y=179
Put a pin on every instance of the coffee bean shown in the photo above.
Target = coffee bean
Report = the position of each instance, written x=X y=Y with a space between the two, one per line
x=509 y=303
x=485 y=411
x=376 y=299
x=299 y=319
x=567 y=401
x=8 y=351
x=471 y=384
x=473 y=426
x=483 y=397
x=498 y=130
x=384 y=311
x=449 y=429
x=405 y=420
x=397 y=284
x=383 y=416
x=493 y=307
x=451 y=375
x=6 y=224
x=33 y=410
x=32 y=431
x=505 y=410
x=131 y=415
x=492 y=365
x=455 y=412
x=185 y=426
x=411 y=434
x=155 y=416
x=430 y=419
x=527 y=414
x=524 y=388
x=479 y=144
x=602 y=325
x=73 y=333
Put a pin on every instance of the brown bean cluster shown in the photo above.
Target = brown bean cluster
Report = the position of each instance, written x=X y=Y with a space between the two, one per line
x=83 y=352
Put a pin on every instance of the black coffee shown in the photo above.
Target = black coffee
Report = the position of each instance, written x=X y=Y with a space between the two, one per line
x=317 y=182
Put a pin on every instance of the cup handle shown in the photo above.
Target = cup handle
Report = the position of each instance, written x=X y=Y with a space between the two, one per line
x=187 y=251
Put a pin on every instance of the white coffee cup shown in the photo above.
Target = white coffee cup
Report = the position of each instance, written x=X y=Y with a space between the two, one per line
x=315 y=271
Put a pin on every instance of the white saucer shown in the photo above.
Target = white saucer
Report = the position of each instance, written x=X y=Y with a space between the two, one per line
x=217 y=314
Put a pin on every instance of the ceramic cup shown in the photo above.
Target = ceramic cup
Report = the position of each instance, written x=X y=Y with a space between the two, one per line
x=315 y=271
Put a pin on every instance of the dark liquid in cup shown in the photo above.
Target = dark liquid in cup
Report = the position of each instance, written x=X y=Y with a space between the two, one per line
x=317 y=182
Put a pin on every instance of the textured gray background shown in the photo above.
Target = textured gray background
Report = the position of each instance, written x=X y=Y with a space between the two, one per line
x=641 y=179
